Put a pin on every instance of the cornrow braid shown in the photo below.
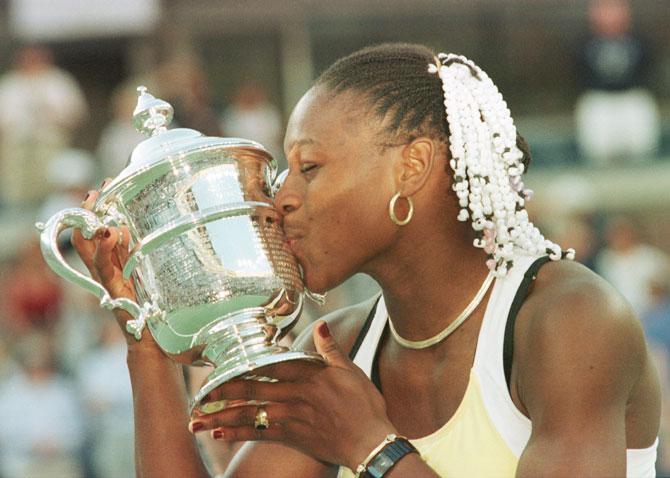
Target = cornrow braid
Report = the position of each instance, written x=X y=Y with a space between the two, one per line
x=393 y=77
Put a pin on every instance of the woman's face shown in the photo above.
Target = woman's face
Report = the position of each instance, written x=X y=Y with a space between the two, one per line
x=334 y=200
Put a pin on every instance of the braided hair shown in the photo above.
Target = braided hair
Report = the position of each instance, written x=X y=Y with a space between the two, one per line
x=449 y=98
x=394 y=79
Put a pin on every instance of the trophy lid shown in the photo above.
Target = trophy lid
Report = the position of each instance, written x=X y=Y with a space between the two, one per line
x=151 y=117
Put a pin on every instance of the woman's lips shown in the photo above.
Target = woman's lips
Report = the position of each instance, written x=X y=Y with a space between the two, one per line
x=292 y=237
x=292 y=243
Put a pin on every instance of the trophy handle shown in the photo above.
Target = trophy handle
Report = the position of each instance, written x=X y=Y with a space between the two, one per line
x=88 y=223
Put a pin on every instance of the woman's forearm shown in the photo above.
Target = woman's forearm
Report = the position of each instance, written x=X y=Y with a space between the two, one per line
x=412 y=465
x=163 y=444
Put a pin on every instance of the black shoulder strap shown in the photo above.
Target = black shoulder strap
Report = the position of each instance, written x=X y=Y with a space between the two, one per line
x=519 y=298
x=374 y=372
x=364 y=331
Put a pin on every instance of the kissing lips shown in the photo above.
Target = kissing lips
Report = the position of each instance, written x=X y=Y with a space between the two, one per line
x=291 y=244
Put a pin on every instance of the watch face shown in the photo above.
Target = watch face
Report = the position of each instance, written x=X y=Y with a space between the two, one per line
x=380 y=465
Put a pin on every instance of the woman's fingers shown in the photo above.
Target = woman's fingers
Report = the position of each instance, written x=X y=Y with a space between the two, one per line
x=291 y=371
x=237 y=434
x=90 y=199
x=282 y=422
x=122 y=243
x=86 y=247
x=253 y=390
x=244 y=416
x=328 y=347
x=103 y=259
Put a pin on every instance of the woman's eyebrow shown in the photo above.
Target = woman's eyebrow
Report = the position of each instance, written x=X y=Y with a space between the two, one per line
x=301 y=142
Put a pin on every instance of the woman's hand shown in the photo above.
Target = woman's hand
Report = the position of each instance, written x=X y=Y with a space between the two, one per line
x=333 y=412
x=104 y=255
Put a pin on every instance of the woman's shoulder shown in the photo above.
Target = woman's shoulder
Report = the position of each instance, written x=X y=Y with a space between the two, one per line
x=571 y=316
x=344 y=324
x=568 y=286
x=568 y=299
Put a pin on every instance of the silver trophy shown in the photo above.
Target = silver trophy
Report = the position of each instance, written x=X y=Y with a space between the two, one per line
x=214 y=280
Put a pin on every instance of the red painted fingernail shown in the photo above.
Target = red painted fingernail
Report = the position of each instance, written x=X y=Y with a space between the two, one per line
x=107 y=233
x=196 y=426
x=324 y=332
x=217 y=434
x=88 y=195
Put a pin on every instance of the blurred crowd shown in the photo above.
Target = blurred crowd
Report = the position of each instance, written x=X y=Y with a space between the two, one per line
x=65 y=401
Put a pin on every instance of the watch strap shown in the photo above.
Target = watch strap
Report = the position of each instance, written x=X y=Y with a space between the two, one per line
x=384 y=457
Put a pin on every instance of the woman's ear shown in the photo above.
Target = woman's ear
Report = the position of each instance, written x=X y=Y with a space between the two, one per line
x=416 y=165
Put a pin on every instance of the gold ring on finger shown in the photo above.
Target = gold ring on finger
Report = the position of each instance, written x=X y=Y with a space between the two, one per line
x=261 y=422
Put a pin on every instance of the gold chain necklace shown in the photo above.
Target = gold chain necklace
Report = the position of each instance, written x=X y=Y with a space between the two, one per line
x=423 y=344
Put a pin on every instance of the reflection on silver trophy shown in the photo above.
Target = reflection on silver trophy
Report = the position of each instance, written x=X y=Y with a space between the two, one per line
x=214 y=280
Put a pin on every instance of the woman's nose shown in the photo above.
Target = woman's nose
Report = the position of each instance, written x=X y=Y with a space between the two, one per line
x=286 y=197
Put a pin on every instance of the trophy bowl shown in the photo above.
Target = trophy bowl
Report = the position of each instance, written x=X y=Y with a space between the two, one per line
x=214 y=280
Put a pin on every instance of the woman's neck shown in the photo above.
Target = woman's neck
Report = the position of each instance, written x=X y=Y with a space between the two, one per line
x=428 y=283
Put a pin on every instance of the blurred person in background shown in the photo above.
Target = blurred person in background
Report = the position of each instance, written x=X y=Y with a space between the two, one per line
x=42 y=430
x=629 y=264
x=579 y=232
x=565 y=209
x=70 y=172
x=108 y=407
x=383 y=180
x=119 y=137
x=182 y=81
x=31 y=292
x=80 y=321
x=617 y=118
x=40 y=107
x=251 y=115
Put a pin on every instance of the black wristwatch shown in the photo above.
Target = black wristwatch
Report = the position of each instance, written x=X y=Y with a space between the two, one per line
x=396 y=448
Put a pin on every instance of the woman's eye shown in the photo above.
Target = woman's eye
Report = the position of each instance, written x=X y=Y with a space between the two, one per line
x=307 y=167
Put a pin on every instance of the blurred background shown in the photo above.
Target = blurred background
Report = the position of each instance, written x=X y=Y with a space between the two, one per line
x=587 y=82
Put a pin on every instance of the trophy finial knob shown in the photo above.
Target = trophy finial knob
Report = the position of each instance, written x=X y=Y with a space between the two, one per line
x=151 y=115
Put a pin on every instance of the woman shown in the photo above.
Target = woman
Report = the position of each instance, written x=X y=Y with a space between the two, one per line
x=384 y=179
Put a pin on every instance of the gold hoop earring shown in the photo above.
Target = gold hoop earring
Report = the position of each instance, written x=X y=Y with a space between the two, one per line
x=394 y=218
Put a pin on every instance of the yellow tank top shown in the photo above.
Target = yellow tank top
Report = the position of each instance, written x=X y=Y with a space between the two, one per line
x=467 y=445
x=487 y=434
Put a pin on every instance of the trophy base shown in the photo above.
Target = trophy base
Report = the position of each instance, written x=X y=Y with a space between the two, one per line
x=225 y=373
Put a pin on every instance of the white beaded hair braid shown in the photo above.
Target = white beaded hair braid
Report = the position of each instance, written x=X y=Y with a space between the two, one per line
x=487 y=165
